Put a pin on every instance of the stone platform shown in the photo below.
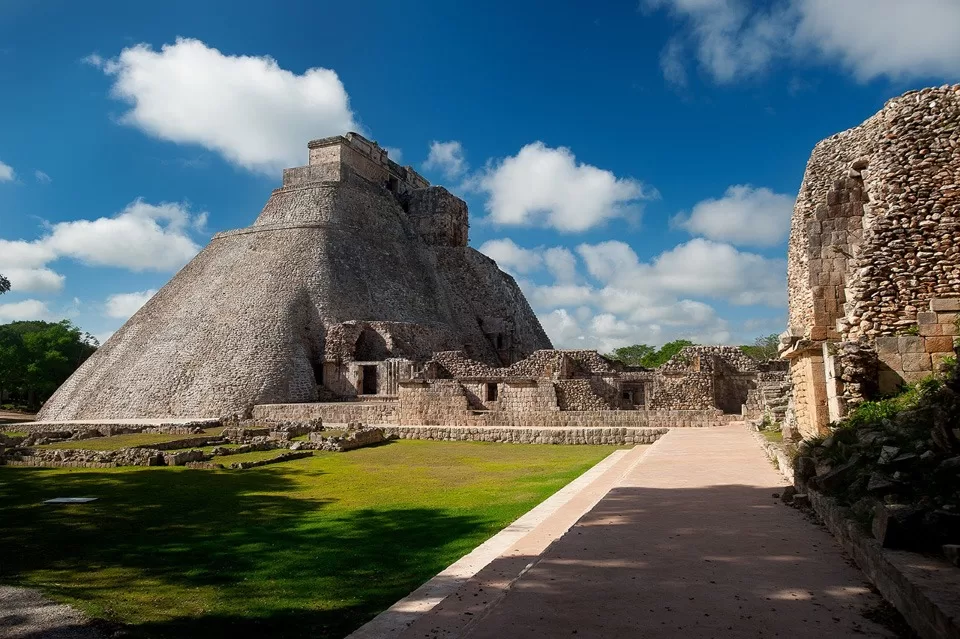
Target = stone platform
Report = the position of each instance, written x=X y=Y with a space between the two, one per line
x=111 y=425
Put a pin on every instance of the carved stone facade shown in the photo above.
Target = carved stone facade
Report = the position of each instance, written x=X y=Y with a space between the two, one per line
x=874 y=250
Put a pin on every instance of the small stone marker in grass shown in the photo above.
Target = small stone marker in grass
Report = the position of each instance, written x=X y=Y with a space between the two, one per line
x=70 y=500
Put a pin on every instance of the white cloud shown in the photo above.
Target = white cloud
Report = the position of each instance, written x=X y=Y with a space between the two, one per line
x=123 y=305
x=671 y=63
x=743 y=216
x=42 y=177
x=619 y=300
x=898 y=39
x=24 y=311
x=6 y=173
x=448 y=158
x=246 y=108
x=711 y=269
x=394 y=153
x=870 y=38
x=699 y=267
x=141 y=237
x=510 y=257
x=561 y=263
x=33 y=280
x=548 y=187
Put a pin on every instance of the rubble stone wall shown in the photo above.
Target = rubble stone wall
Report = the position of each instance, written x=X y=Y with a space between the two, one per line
x=874 y=242
x=582 y=436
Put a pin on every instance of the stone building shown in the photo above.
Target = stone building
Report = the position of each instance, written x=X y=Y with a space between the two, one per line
x=874 y=257
x=561 y=388
x=354 y=274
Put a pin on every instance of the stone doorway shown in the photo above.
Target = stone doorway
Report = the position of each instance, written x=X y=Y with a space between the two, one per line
x=368 y=383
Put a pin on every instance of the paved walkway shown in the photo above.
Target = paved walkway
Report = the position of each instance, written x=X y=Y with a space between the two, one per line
x=690 y=543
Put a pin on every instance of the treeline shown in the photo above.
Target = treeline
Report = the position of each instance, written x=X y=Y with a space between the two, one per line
x=36 y=357
x=763 y=348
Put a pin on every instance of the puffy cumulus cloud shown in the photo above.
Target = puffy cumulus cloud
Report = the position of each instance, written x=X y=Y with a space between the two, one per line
x=712 y=269
x=892 y=38
x=510 y=257
x=447 y=158
x=33 y=280
x=743 y=216
x=24 y=310
x=6 y=173
x=604 y=296
x=123 y=305
x=142 y=237
x=561 y=263
x=699 y=267
x=246 y=108
x=543 y=186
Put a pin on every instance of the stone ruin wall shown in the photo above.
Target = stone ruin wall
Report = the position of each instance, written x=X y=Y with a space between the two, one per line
x=874 y=249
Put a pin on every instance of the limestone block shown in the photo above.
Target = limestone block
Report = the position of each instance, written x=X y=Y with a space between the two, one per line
x=945 y=304
x=888 y=345
x=915 y=362
x=910 y=344
x=893 y=361
x=926 y=318
x=939 y=344
x=949 y=329
x=930 y=330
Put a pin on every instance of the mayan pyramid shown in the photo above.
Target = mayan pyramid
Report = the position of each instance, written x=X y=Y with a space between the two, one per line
x=353 y=258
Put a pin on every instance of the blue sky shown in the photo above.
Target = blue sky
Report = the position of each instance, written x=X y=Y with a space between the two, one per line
x=633 y=164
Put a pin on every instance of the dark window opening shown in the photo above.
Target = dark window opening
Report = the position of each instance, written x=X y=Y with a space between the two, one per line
x=627 y=395
x=499 y=341
x=369 y=382
x=492 y=392
x=393 y=184
x=317 y=371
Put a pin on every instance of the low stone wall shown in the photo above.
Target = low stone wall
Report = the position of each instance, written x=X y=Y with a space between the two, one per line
x=81 y=458
x=610 y=436
x=353 y=440
x=330 y=413
x=109 y=428
x=924 y=589
x=337 y=413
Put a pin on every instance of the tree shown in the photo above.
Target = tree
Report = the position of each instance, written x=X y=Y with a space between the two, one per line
x=764 y=348
x=632 y=355
x=4 y=285
x=648 y=356
x=36 y=357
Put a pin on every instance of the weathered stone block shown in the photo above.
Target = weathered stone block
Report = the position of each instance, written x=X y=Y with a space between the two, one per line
x=888 y=345
x=930 y=330
x=926 y=318
x=914 y=362
x=945 y=304
x=939 y=344
x=910 y=344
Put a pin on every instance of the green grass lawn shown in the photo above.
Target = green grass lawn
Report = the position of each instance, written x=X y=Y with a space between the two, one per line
x=126 y=441
x=313 y=547
x=772 y=435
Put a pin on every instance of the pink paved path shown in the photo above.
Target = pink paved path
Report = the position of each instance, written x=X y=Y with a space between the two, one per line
x=691 y=544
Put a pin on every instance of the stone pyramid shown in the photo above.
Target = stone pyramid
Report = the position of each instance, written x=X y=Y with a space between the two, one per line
x=353 y=258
